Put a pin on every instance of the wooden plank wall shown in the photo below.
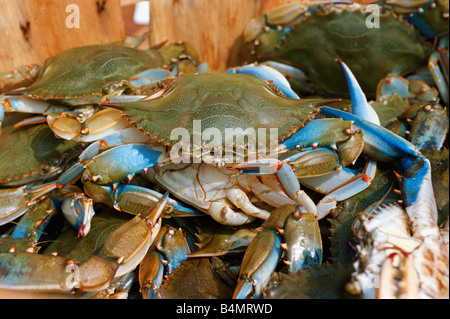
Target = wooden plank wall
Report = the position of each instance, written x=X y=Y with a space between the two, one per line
x=32 y=30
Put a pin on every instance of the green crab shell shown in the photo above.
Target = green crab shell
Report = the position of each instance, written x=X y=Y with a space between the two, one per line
x=82 y=71
x=329 y=32
x=32 y=152
x=220 y=101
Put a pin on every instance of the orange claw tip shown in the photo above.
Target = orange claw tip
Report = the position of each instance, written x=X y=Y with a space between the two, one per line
x=366 y=179
x=38 y=223
x=70 y=262
x=284 y=246
x=6 y=103
x=397 y=191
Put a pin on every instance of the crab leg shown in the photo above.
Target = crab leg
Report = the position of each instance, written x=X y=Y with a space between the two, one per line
x=124 y=136
x=20 y=77
x=240 y=199
x=268 y=74
x=122 y=252
x=269 y=192
x=438 y=66
x=258 y=264
x=17 y=201
x=381 y=144
x=70 y=126
x=32 y=224
x=303 y=244
x=151 y=272
x=173 y=246
x=148 y=77
x=78 y=211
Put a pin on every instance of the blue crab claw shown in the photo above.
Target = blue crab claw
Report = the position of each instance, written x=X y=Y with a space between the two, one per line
x=138 y=242
x=134 y=199
x=258 y=264
x=151 y=272
x=122 y=162
x=383 y=145
x=17 y=103
x=124 y=136
x=15 y=202
x=417 y=189
x=285 y=174
x=264 y=166
x=268 y=73
x=148 y=77
x=302 y=241
x=438 y=66
x=380 y=143
x=35 y=220
x=123 y=251
x=173 y=245
x=78 y=211
x=360 y=106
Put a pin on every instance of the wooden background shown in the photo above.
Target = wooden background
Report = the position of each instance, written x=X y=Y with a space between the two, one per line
x=32 y=30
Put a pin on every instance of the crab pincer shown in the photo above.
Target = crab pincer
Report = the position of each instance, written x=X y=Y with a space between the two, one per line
x=121 y=254
x=302 y=241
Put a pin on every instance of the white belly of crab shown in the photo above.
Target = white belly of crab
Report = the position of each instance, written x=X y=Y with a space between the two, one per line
x=221 y=193
x=396 y=260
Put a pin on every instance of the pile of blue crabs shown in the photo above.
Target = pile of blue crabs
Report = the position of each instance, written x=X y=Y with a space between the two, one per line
x=114 y=185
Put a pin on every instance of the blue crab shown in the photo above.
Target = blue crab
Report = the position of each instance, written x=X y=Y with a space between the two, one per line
x=82 y=76
x=227 y=201
x=302 y=40
x=214 y=186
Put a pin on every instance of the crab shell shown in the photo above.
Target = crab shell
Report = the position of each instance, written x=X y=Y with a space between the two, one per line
x=220 y=102
x=81 y=72
x=312 y=41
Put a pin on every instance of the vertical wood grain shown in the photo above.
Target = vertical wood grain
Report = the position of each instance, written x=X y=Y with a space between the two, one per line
x=32 y=30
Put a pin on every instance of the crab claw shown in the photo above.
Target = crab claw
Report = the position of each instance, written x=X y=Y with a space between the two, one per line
x=268 y=73
x=265 y=166
x=148 y=77
x=122 y=252
x=360 y=106
x=384 y=145
x=258 y=264
x=78 y=211
x=151 y=272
